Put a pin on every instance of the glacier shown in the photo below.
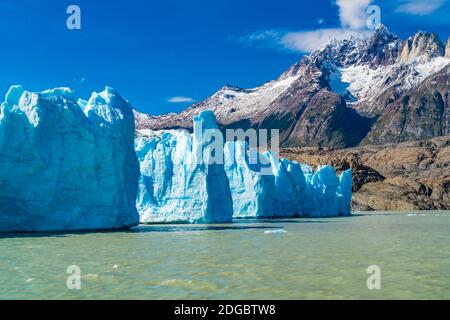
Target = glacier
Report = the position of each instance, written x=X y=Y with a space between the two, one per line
x=292 y=190
x=177 y=186
x=66 y=164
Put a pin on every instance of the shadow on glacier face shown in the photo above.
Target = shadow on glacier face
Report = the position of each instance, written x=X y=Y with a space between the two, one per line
x=239 y=224
x=137 y=229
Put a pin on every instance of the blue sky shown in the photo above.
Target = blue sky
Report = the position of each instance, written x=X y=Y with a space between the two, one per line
x=162 y=55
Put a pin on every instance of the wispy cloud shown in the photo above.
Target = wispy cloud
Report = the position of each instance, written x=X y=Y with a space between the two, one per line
x=268 y=38
x=181 y=100
x=352 y=13
x=353 y=19
x=307 y=41
x=298 y=41
x=419 y=7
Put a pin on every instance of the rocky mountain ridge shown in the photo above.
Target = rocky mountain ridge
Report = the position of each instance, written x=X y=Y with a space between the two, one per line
x=364 y=90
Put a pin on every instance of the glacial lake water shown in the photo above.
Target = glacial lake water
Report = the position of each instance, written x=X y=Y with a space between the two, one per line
x=278 y=259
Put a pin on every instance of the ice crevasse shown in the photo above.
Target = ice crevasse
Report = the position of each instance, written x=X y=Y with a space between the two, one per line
x=66 y=164
x=175 y=187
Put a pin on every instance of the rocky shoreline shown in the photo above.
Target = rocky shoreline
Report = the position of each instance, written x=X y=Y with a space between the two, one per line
x=391 y=177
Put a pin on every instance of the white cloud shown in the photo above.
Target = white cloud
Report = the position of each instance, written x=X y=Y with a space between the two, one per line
x=419 y=7
x=353 y=18
x=263 y=36
x=181 y=100
x=299 y=41
x=307 y=41
x=353 y=22
x=353 y=13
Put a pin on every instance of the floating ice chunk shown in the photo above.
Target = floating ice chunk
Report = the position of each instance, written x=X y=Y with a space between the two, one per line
x=278 y=231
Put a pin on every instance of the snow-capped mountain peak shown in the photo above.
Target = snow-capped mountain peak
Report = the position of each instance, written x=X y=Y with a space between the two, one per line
x=379 y=63
x=331 y=96
x=423 y=46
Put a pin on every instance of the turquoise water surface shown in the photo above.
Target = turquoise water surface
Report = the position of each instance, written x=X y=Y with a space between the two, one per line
x=274 y=259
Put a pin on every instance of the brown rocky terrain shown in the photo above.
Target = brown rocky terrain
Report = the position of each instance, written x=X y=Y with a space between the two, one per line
x=405 y=176
x=421 y=113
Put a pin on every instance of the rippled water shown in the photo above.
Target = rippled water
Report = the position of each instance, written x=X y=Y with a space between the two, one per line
x=280 y=259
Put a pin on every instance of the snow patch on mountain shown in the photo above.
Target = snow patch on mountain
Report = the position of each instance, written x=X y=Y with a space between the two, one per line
x=248 y=100
x=369 y=71
x=364 y=82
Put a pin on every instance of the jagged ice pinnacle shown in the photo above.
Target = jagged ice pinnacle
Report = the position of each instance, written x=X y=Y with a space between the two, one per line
x=176 y=187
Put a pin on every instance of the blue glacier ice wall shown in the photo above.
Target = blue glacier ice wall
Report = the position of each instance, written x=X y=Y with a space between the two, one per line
x=174 y=185
x=253 y=193
x=294 y=190
x=175 y=188
x=66 y=164
x=344 y=192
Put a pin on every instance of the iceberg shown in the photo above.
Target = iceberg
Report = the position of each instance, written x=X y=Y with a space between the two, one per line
x=178 y=184
x=293 y=189
x=66 y=164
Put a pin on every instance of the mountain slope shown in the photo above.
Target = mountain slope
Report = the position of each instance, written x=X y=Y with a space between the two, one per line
x=301 y=105
x=332 y=97
x=422 y=113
